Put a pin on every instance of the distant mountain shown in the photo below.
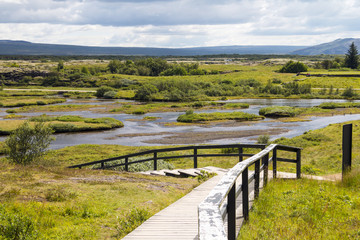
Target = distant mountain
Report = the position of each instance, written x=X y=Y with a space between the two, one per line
x=8 y=47
x=339 y=46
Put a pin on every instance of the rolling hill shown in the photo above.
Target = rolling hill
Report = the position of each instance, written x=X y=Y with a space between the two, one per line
x=339 y=46
x=8 y=47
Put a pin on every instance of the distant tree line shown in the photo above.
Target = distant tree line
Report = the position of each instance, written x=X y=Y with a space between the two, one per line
x=156 y=67
x=351 y=60
x=186 y=90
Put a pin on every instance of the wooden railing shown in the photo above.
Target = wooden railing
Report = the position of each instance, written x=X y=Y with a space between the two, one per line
x=221 y=201
x=126 y=160
x=214 y=209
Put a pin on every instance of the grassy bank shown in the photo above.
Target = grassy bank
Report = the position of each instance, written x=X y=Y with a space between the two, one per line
x=280 y=111
x=38 y=202
x=28 y=101
x=191 y=117
x=53 y=108
x=322 y=149
x=136 y=108
x=64 y=123
x=306 y=209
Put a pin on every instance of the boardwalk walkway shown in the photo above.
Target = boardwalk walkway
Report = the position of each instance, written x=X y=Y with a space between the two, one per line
x=180 y=219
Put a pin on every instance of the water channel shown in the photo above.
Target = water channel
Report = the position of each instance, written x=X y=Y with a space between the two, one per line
x=137 y=132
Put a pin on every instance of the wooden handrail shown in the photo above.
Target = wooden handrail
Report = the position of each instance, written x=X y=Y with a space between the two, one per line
x=211 y=210
x=155 y=152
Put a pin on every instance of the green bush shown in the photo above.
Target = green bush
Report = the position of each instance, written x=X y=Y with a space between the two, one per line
x=263 y=139
x=16 y=226
x=349 y=93
x=293 y=67
x=102 y=90
x=146 y=92
x=27 y=144
x=110 y=94
x=134 y=218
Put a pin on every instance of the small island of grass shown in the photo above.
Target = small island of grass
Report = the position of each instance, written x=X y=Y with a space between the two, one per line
x=333 y=105
x=191 y=117
x=280 y=111
x=62 y=124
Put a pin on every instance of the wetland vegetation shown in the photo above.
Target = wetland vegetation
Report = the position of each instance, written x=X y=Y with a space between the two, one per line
x=47 y=201
x=191 y=117
x=65 y=123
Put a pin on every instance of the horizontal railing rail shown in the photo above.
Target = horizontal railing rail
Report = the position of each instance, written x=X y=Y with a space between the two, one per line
x=221 y=201
x=112 y=162
x=214 y=209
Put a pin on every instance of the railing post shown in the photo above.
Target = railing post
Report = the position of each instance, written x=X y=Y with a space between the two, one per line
x=231 y=211
x=241 y=151
x=155 y=161
x=257 y=178
x=127 y=164
x=102 y=165
x=346 y=148
x=265 y=161
x=245 y=194
x=298 y=164
x=195 y=158
x=274 y=163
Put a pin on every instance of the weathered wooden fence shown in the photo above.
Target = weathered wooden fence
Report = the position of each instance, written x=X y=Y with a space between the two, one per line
x=214 y=209
x=221 y=201
x=154 y=155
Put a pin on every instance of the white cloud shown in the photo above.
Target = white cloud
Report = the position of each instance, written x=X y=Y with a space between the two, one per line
x=178 y=23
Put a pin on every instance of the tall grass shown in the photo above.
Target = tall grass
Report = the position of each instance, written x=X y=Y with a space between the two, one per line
x=305 y=209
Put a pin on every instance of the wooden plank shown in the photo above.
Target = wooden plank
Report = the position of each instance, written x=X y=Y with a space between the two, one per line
x=179 y=220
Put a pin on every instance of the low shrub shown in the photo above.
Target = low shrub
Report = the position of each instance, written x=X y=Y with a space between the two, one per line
x=263 y=139
x=58 y=194
x=293 y=67
x=16 y=226
x=134 y=218
x=27 y=144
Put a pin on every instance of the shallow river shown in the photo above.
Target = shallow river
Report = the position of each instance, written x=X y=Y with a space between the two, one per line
x=142 y=133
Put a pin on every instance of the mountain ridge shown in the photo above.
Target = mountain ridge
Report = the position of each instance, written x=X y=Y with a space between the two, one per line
x=338 y=46
x=20 y=47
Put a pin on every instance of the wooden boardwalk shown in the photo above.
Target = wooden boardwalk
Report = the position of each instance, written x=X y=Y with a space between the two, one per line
x=180 y=219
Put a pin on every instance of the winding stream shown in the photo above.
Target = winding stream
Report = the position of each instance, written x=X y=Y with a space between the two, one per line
x=147 y=133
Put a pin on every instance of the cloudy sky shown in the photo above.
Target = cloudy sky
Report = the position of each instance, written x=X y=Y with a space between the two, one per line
x=179 y=23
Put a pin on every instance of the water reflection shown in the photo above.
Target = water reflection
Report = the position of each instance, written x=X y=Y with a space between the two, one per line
x=140 y=133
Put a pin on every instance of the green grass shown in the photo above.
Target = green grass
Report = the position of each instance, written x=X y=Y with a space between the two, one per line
x=133 y=108
x=280 y=111
x=64 y=123
x=305 y=209
x=60 y=203
x=322 y=149
x=332 y=105
x=204 y=117
x=53 y=108
x=28 y=101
